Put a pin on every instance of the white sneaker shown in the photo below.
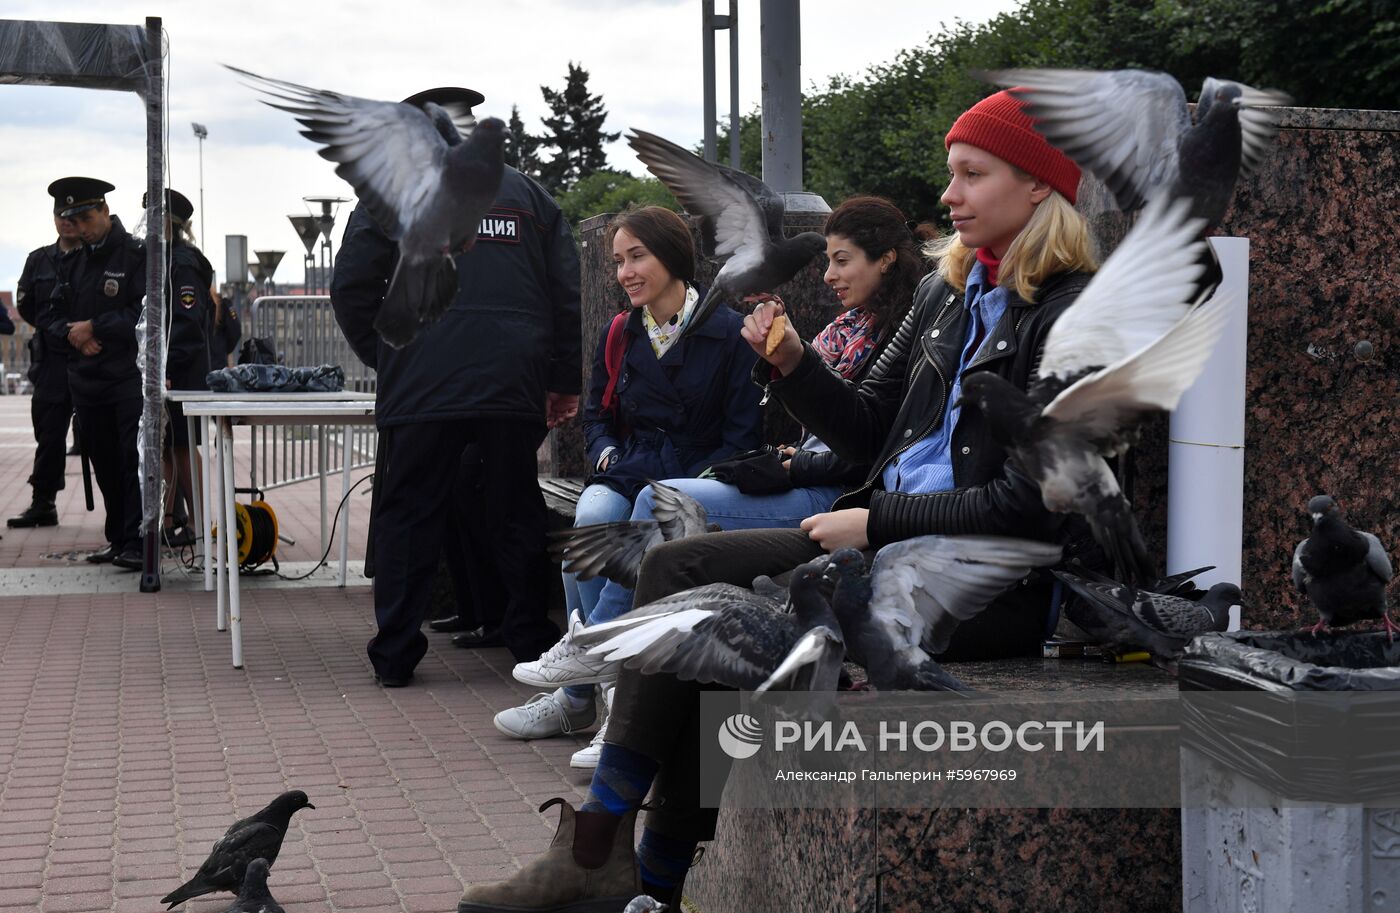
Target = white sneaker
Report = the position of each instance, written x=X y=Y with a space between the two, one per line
x=566 y=663
x=544 y=715
x=587 y=758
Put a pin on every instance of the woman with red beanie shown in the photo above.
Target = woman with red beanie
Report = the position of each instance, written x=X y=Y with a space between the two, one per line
x=1019 y=256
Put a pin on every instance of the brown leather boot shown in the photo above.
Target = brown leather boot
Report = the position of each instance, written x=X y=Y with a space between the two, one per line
x=590 y=867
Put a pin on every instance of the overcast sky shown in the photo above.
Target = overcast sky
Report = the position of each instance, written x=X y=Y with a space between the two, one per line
x=642 y=57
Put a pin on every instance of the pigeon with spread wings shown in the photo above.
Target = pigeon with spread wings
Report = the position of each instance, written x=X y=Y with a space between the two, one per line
x=740 y=217
x=426 y=186
x=1130 y=344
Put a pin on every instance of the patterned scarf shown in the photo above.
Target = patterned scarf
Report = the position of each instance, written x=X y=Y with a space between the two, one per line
x=664 y=336
x=847 y=341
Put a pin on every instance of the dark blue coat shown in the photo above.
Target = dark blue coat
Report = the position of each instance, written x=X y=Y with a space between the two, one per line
x=692 y=407
x=510 y=336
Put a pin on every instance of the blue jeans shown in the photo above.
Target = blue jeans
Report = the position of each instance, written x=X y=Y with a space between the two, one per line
x=597 y=504
x=727 y=507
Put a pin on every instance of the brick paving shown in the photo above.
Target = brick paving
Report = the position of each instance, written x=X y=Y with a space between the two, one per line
x=128 y=742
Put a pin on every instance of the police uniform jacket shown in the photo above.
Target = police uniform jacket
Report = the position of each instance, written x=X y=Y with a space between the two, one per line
x=191 y=319
x=105 y=284
x=675 y=415
x=510 y=335
x=48 y=362
x=227 y=333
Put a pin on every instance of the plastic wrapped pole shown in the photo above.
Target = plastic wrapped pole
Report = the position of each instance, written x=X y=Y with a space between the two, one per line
x=152 y=366
x=1205 y=469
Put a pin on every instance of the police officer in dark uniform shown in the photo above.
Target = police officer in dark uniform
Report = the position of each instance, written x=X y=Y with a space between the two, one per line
x=51 y=407
x=93 y=313
x=191 y=342
x=500 y=366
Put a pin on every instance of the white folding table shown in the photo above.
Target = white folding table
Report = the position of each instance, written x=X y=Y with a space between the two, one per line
x=223 y=411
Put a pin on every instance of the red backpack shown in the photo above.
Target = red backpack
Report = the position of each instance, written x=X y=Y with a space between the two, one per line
x=613 y=350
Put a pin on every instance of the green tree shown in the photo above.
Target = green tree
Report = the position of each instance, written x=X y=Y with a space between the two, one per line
x=521 y=146
x=607 y=190
x=575 y=131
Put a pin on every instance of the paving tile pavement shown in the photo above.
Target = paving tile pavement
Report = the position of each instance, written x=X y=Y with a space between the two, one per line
x=128 y=743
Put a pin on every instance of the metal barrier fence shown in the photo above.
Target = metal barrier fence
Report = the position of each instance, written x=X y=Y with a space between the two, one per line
x=303 y=332
x=14 y=359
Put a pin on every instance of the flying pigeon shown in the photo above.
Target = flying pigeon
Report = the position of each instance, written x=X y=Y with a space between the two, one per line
x=254 y=897
x=726 y=634
x=1123 y=617
x=615 y=550
x=258 y=836
x=1132 y=130
x=740 y=217
x=917 y=593
x=1343 y=572
x=1132 y=343
x=426 y=185
x=645 y=903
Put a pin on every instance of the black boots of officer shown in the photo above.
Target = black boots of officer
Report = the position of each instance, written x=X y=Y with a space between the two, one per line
x=41 y=512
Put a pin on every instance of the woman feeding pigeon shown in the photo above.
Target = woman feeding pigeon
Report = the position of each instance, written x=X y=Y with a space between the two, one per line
x=658 y=407
x=873 y=268
x=1019 y=257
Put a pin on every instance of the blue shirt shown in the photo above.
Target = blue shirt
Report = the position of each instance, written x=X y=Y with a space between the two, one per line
x=927 y=466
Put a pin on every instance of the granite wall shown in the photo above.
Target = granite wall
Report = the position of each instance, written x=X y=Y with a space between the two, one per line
x=1322 y=215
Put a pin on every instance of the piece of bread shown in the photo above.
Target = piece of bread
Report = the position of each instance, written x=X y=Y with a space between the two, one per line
x=775 y=335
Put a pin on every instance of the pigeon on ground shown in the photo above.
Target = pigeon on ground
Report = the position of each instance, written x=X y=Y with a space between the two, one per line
x=917 y=593
x=740 y=217
x=615 y=550
x=426 y=185
x=254 y=897
x=1343 y=572
x=726 y=634
x=258 y=836
x=1123 y=617
x=1132 y=130
x=645 y=903
x=1132 y=343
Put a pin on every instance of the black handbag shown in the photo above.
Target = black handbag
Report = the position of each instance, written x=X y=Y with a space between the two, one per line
x=753 y=472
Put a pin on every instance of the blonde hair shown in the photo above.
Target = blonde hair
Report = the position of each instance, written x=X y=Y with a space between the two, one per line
x=1055 y=239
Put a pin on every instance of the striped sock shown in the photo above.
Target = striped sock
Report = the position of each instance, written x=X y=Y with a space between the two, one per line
x=620 y=782
x=663 y=860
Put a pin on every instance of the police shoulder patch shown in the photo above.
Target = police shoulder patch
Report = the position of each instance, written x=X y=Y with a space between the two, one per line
x=187 y=297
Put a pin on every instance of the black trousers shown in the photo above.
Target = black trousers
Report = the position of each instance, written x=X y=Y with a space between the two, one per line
x=109 y=440
x=50 y=420
x=659 y=715
x=413 y=507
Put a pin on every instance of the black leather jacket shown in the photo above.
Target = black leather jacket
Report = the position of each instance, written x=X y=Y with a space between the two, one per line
x=903 y=398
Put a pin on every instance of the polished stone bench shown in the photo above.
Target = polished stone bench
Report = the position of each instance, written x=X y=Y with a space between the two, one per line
x=955 y=860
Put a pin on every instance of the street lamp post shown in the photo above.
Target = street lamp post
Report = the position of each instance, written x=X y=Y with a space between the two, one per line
x=325 y=222
x=201 y=133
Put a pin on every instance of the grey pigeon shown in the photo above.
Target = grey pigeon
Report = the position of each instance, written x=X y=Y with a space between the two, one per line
x=725 y=634
x=1124 y=617
x=740 y=217
x=615 y=550
x=258 y=836
x=645 y=903
x=1132 y=130
x=254 y=896
x=917 y=593
x=1131 y=344
x=425 y=185
x=1343 y=571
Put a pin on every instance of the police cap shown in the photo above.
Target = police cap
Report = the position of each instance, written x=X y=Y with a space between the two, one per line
x=446 y=96
x=74 y=195
x=176 y=204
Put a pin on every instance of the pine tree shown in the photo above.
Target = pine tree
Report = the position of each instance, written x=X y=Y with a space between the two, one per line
x=521 y=146
x=575 y=131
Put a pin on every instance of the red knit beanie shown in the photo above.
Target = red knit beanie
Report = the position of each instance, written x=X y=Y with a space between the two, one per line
x=998 y=125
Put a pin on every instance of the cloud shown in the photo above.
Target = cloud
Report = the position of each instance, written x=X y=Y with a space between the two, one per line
x=644 y=58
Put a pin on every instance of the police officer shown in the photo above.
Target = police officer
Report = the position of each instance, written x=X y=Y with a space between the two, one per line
x=92 y=315
x=501 y=365
x=191 y=342
x=51 y=407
